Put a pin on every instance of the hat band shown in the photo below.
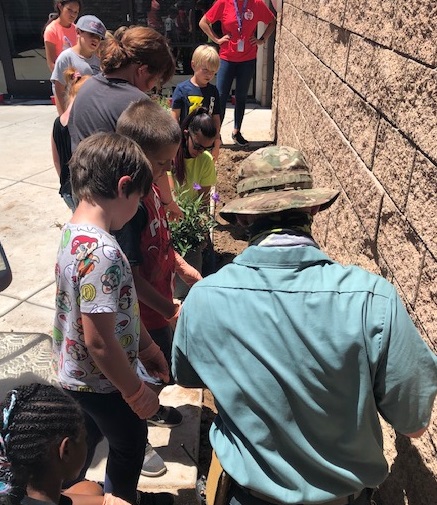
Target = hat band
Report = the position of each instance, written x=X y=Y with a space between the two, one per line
x=281 y=187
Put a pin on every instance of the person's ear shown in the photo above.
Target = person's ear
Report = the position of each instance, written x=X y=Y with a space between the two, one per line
x=64 y=449
x=314 y=210
x=193 y=66
x=123 y=184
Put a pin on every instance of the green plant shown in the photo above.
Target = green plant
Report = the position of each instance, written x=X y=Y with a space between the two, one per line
x=190 y=232
x=162 y=100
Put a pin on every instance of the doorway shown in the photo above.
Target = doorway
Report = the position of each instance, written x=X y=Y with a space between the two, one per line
x=22 y=51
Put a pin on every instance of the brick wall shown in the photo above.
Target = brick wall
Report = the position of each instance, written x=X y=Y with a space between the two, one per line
x=355 y=88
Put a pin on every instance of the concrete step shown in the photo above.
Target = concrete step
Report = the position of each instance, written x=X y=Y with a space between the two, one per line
x=181 y=472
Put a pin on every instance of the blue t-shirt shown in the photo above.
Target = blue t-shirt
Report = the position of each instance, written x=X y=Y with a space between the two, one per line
x=188 y=97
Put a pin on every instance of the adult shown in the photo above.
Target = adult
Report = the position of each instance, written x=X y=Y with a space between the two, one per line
x=133 y=61
x=60 y=30
x=238 y=48
x=300 y=352
x=82 y=57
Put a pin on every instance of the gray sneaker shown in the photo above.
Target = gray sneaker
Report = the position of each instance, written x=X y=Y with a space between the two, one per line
x=153 y=464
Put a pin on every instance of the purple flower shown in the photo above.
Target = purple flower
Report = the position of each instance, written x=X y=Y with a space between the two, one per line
x=197 y=186
x=215 y=197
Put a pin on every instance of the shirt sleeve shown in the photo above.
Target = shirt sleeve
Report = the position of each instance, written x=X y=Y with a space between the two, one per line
x=264 y=14
x=216 y=109
x=129 y=237
x=406 y=380
x=177 y=99
x=50 y=34
x=215 y=12
x=182 y=370
x=61 y=64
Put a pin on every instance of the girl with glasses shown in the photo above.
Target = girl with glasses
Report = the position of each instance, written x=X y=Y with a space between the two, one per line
x=194 y=168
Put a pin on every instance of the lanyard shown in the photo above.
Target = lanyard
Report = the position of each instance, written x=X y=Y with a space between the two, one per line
x=240 y=15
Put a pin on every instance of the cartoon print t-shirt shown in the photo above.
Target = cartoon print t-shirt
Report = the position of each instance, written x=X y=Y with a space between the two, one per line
x=92 y=276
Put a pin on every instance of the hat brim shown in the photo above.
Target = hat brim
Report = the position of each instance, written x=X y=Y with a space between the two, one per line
x=278 y=201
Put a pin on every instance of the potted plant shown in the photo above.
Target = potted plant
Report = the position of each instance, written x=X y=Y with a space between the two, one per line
x=189 y=233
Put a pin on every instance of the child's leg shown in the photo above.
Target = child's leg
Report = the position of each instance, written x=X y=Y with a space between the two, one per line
x=126 y=434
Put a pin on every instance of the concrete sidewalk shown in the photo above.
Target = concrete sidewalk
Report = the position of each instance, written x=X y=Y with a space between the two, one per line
x=31 y=216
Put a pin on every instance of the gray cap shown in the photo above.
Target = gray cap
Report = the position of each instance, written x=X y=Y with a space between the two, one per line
x=273 y=179
x=91 y=24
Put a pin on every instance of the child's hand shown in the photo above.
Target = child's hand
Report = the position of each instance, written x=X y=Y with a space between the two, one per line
x=215 y=152
x=154 y=362
x=174 y=213
x=174 y=318
x=144 y=402
x=187 y=272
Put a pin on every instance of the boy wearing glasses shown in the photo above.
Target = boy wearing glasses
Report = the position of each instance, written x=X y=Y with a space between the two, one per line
x=199 y=92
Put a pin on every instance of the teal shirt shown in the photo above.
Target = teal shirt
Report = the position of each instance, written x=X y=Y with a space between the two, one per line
x=301 y=354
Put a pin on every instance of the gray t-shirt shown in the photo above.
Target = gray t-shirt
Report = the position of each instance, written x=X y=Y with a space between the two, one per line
x=69 y=58
x=98 y=105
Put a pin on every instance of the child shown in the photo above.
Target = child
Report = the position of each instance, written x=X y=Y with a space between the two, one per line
x=194 y=170
x=34 y=463
x=199 y=92
x=147 y=243
x=90 y=32
x=61 y=141
x=98 y=336
x=60 y=30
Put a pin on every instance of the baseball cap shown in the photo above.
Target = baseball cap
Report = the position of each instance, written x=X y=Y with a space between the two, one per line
x=91 y=24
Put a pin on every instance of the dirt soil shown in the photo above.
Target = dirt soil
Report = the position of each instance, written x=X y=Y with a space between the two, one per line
x=413 y=465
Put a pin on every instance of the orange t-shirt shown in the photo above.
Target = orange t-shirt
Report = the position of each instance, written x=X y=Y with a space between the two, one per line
x=60 y=36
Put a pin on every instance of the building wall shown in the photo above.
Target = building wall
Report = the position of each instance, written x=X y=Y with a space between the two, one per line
x=355 y=88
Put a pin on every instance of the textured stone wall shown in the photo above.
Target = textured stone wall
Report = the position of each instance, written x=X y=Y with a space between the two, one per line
x=355 y=88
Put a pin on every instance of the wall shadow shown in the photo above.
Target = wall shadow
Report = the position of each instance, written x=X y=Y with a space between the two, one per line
x=409 y=480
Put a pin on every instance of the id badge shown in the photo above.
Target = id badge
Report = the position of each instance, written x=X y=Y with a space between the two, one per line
x=240 y=46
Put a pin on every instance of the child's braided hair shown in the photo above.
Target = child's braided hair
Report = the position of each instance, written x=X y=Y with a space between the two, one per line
x=32 y=419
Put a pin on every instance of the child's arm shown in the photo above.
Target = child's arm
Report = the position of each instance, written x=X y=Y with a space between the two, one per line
x=50 y=54
x=55 y=156
x=176 y=113
x=60 y=97
x=185 y=271
x=151 y=355
x=175 y=213
x=111 y=359
x=148 y=295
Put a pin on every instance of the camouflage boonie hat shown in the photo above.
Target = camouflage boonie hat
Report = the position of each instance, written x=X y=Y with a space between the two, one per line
x=273 y=179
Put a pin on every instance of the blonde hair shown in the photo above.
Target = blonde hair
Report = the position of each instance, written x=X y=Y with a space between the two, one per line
x=206 y=55
x=73 y=82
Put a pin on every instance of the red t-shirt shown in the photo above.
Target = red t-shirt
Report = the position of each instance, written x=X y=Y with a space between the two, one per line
x=224 y=11
x=158 y=265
